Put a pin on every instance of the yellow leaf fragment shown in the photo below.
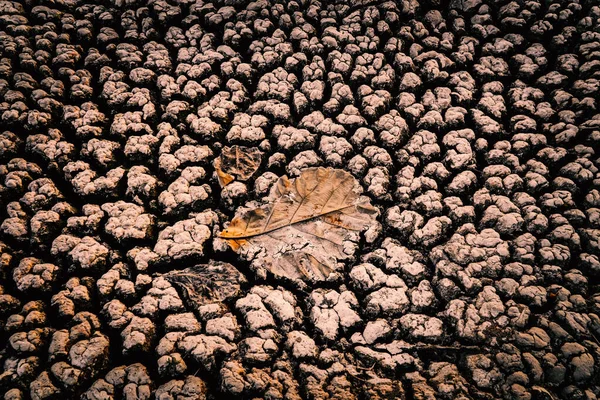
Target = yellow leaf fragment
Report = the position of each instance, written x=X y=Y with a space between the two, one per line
x=237 y=162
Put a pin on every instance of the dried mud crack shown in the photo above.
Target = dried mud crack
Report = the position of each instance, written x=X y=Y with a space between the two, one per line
x=456 y=141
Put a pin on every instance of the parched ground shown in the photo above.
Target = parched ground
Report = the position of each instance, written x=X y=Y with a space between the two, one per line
x=473 y=126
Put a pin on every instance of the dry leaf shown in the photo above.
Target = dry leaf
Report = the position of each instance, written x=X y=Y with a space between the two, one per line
x=307 y=227
x=207 y=283
x=237 y=162
x=543 y=390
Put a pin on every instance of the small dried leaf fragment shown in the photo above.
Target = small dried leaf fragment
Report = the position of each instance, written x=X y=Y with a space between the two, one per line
x=237 y=162
x=307 y=226
x=207 y=283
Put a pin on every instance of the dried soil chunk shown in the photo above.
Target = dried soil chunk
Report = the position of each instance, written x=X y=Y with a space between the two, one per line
x=185 y=239
x=128 y=221
x=332 y=311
